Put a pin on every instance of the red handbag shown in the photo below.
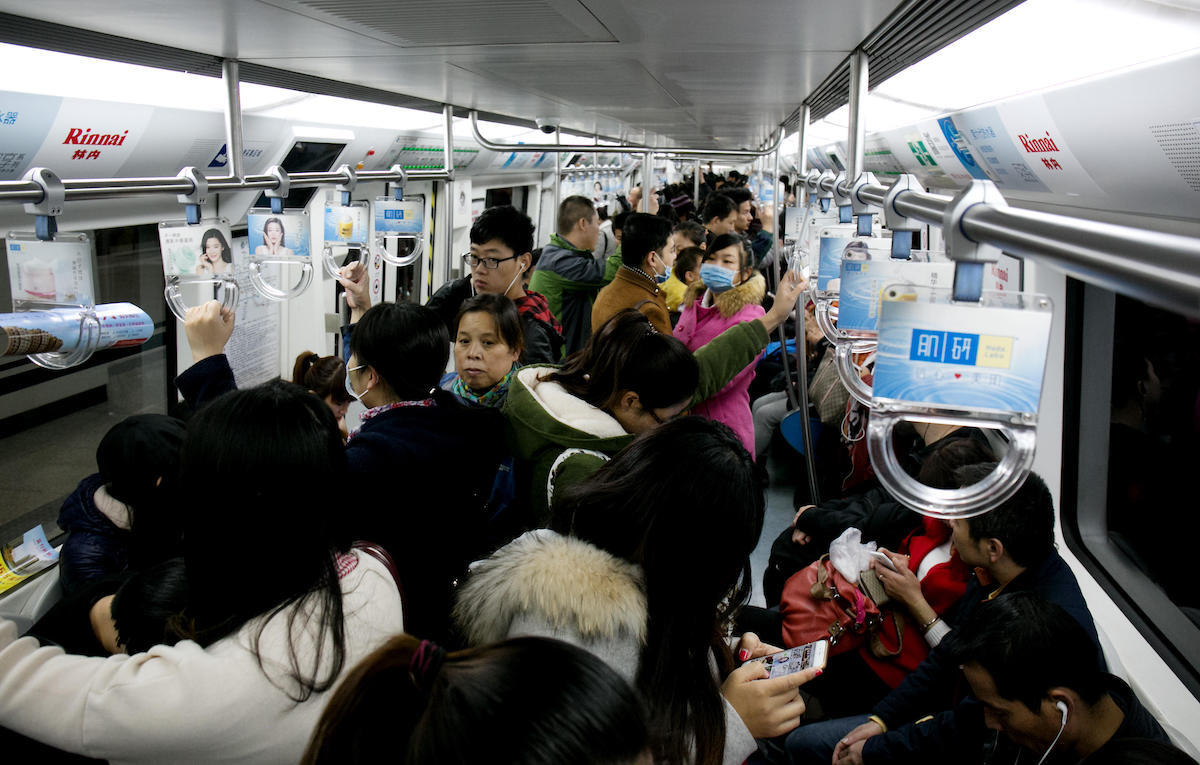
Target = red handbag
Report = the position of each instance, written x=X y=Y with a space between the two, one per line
x=818 y=602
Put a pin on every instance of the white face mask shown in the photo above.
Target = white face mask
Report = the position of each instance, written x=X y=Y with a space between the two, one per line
x=350 y=388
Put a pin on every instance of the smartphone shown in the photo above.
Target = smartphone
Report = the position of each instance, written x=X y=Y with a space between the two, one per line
x=884 y=559
x=796 y=659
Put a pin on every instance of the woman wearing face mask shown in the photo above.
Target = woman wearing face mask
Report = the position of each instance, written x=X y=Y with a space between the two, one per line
x=729 y=292
x=564 y=421
x=421 y=466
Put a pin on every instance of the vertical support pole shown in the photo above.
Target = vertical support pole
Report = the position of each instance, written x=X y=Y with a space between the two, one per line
x=857 y=129
x=557 y=177
x=696 y=188
x=647 y=178
x=810 y=462
x=779 y=265
x=448 y=164
x=233 y=117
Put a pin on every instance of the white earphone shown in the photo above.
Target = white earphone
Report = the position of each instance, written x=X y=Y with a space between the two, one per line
x=1062 y=708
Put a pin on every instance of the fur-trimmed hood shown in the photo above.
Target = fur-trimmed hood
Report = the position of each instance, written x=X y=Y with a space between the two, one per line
x=566 y=587
x=750 y=292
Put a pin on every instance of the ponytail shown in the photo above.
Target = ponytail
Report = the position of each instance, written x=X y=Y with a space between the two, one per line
x=304 y=363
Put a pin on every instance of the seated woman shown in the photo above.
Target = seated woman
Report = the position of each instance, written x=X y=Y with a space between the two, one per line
x=730 y=291
x=526 y=701
x=422 y=465
x=276 y=610
x=326 y=377
x=564 y=422
x=650 y=557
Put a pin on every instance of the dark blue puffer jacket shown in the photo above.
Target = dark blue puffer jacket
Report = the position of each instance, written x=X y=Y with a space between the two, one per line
x=95 y=545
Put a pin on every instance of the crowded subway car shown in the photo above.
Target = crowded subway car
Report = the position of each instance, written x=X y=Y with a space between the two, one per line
x=383 y=381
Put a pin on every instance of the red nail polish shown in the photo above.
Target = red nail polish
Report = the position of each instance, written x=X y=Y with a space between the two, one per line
x=819 y=672
x=743 y=654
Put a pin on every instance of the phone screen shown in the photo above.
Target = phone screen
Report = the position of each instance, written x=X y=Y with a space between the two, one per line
x=796 y=659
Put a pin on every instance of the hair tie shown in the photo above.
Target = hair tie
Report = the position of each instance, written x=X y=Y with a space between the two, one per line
x=425 y=664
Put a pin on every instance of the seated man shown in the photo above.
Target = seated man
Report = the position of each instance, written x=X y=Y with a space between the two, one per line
x=567 y=273
x=1012 y=550
x=1036 y=678
x=643 y=267
x=501 y=240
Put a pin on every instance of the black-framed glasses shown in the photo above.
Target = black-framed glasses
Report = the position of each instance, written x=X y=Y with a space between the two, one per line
x=661 y=421
x=489 y=263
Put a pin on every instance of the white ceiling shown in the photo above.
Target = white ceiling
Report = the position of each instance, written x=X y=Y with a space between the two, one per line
x=683 y=72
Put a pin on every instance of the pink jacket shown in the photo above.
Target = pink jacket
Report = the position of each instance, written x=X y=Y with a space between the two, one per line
x=699 y=324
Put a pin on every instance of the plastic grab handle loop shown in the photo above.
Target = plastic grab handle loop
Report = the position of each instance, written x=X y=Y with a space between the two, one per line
x=89 y=341
x=174 y=296
x=335 y=251
x=418 y=245
x=826 y=313
x=849 y=373
x=947 y=504
x=274 y=293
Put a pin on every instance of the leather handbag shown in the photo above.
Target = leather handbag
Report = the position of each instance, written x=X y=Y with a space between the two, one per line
x=818 y=602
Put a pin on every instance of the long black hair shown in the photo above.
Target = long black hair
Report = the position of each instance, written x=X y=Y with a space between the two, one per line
x=524 y=701
x=261 y=473
x=691 y=525
x=628 y=354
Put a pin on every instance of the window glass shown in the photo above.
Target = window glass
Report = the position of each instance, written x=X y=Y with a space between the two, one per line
x=1154 y=446
x=51 y=422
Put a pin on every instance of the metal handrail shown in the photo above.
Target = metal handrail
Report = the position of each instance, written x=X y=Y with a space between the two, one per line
x=1152 y=266
x=623 y=148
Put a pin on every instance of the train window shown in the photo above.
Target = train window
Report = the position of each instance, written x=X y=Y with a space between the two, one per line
x=51 y=422
x=1130 y=490
x=304 y=157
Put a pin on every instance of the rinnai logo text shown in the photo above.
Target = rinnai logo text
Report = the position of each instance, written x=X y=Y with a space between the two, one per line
x=85 y=137
x=1034 y=145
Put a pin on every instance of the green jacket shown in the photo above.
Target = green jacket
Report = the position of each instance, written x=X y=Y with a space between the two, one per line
x=569 y=278
x=543 y=420
x=612 y=265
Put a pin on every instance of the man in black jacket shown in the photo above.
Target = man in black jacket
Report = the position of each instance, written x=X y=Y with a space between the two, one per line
x=501 y=241
x=1035 y=678
x=1012 y=550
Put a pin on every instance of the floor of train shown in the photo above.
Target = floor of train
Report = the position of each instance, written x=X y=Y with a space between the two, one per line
x=41 y=466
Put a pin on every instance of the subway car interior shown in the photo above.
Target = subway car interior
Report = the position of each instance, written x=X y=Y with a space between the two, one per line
x=988 y=211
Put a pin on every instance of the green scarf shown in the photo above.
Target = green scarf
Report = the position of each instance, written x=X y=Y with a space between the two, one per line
x=492 y=397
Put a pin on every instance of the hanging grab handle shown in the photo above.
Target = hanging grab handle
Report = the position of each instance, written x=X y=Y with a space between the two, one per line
x=89 y=343
x=335 y=253
x=948 y=504
x=174 y=294
x=271 y=292
x=848 y=372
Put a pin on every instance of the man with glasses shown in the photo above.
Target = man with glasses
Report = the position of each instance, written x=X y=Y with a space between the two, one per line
x=568 y=274
x=501 y=240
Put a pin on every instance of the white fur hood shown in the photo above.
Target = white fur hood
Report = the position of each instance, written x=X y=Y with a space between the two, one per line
x=570 y=585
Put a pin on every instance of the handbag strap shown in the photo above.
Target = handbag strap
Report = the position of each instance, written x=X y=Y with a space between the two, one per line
x=384 y=557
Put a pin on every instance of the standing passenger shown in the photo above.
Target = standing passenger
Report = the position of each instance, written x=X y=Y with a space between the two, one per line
x=500 y=261
x=643 y=267
x=567 y=273
x=277 y=611
x=729 y=291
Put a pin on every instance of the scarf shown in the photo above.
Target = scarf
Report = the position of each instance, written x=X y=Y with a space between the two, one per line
x=535 y=304
x=492 y=397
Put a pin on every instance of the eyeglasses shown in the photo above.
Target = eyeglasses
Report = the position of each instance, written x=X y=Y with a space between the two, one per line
x=676 y=416
x=489 y=263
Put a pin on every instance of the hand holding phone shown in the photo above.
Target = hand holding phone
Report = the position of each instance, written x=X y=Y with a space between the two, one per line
x=884 y=559
x=793 y=660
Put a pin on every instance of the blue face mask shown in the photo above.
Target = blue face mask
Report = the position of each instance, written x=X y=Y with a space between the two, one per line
x=660 y=278
x=716 y=278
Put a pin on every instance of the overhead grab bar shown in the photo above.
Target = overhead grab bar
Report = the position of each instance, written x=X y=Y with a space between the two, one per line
x=80 y=189
x=1152 y=266
x=624 y=148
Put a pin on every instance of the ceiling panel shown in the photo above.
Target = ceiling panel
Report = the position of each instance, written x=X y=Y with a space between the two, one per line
x=676 y=71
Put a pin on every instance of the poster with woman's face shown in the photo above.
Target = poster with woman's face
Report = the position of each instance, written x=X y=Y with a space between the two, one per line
x=200 y=250
x=277 y=236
